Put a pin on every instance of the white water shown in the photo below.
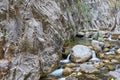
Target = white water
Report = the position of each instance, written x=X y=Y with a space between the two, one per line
x=67 y=60
x=94 y=57
x=56 y=73
x=68 y=57
x=110 y=37
x=93 y=54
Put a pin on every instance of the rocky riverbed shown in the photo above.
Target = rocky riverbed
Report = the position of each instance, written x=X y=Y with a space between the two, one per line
x=93 y=56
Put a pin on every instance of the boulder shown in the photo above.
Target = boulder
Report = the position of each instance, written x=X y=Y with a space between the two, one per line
x=115 y=74
x=88 y=68
x=80 y=53
x=97 y=45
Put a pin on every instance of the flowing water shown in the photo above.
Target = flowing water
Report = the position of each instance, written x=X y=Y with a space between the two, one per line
x=85 y=76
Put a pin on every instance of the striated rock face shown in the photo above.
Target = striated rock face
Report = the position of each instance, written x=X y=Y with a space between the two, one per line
x=35 y=31
x=103 y=13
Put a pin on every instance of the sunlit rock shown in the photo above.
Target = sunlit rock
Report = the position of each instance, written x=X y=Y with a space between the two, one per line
x=80 y=53
x=88 y=68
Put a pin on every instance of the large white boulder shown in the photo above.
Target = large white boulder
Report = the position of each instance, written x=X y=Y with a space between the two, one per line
x=80 y=53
